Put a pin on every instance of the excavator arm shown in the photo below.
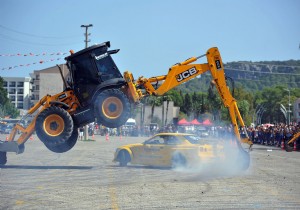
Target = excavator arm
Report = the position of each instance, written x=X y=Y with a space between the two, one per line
x=183 y=72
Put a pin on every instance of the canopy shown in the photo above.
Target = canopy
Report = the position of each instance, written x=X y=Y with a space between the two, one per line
x=207 y=122
x=183 y=122
x=195 y=122
x=267 y=125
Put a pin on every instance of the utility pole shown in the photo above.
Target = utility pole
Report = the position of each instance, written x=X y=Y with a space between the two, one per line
x=86 y=128
x=86 y=34
x=289 y=111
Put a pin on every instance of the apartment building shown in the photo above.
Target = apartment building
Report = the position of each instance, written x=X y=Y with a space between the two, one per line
x=18 y=90
x=47 y=81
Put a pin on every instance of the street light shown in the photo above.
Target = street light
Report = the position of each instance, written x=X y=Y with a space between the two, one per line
x=86 y=33
x=289 y=106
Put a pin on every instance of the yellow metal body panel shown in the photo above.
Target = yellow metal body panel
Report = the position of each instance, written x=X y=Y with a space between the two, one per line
x=294 y=138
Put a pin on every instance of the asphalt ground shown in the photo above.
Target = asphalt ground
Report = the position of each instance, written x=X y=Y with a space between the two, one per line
x=86 y=178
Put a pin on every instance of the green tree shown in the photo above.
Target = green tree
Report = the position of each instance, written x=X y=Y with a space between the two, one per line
x=153 y=101
x=187 y=107
x=6 y=107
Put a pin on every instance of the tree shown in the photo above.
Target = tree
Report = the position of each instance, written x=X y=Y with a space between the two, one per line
x=187 y=107
x=167 y=97
x=6 y=107
x=153 y=101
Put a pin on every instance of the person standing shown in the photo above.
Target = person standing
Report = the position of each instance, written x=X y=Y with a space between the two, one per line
x=81 y=130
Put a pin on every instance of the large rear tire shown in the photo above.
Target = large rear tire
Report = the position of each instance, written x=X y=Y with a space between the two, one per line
x=66 y=146
x=54 y=125
x=3 y=158
x=112 y=108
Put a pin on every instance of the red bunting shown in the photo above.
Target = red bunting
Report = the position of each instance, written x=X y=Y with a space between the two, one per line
x=22 y=65
x=32 y=54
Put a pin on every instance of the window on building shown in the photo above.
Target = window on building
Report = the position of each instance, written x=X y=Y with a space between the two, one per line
x=20 y=98
x=12 y=91
x=37 y=77
x=12 y=84
x=20 y=91
x=20 y=84
x=299 y=106
x=12 y=98
x=36 y=97
x=20 y=106
x=37 y=87
x=5 y=84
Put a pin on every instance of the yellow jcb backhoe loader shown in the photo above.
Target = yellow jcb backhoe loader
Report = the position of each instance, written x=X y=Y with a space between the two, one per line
x=97 y=91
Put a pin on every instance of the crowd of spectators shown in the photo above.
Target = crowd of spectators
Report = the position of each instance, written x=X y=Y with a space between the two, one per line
x=273 y=135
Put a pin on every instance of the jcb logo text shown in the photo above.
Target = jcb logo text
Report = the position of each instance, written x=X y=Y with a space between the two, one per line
x=186 y=74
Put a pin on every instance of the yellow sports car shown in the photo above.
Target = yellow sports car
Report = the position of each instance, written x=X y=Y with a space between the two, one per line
x=171 y=150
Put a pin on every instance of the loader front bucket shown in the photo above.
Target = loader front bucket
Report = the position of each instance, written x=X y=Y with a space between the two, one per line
x=11 y=146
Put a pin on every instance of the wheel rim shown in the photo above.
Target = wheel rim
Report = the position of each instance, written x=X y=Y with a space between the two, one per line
x=112 y=107
x=54 y=125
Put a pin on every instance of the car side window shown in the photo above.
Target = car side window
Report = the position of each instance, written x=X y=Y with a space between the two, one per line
x=156 y=140
x=171 y=140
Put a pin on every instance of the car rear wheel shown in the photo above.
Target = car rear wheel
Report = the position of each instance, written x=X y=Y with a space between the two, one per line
x=3 y=158
x=112 y=108
x=54 y=125
x=178 y=160
x=124 y=158
x=65 y=146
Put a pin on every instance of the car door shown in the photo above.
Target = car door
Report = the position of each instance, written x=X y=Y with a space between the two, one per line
x=152 y=151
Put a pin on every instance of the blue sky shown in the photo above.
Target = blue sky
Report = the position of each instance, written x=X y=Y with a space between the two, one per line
x=152 y=35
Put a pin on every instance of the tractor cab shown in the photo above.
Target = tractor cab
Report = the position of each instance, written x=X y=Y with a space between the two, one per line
x=92 y=69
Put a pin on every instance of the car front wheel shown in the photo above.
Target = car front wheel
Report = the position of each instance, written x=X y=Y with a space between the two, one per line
x=124 y=158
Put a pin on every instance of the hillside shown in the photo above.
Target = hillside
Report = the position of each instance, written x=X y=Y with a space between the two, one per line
x=252 y=75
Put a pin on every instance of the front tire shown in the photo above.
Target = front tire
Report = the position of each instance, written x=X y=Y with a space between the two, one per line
x=54 y=125
x=124 y=158
x=66 y=146
x=112 y=108
x=3 y=158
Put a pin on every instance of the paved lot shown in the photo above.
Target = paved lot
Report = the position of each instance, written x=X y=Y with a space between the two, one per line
x=86 y=178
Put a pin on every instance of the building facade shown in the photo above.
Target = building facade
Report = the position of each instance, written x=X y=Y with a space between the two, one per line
x=47 y=82
x=18 y=90
x=164 y=114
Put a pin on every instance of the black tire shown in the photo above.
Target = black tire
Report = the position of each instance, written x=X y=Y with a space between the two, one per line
x=178 y=160
x=65 y=146
x=112 y=108
x=288 y=147
x=124 y=158
x=3 y=158
x=54 y=125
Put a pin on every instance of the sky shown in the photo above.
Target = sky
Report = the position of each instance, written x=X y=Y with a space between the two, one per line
x=152 y=35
